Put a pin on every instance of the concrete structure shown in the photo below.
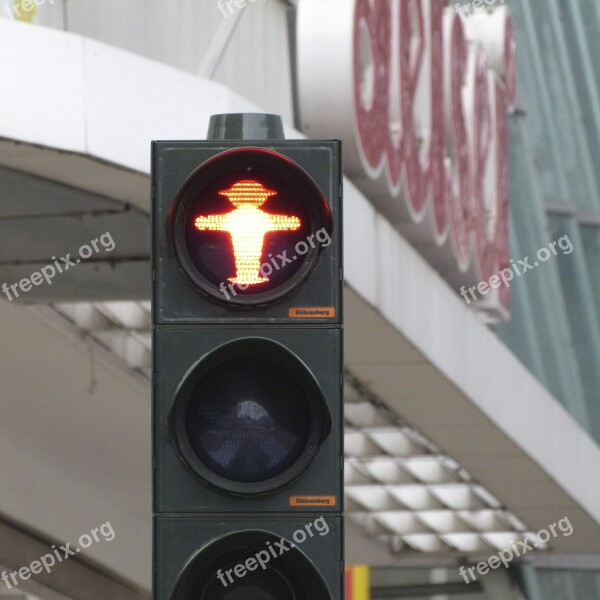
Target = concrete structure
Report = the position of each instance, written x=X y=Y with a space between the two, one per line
x=460 y=437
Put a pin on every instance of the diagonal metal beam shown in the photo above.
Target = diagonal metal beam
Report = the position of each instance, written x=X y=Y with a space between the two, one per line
x=218 y=44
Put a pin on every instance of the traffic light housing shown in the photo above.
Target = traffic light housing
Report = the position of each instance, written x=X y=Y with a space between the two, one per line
x=302 y=266
x=247 y=360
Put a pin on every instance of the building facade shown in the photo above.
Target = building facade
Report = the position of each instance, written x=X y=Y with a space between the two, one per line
x=472 y=420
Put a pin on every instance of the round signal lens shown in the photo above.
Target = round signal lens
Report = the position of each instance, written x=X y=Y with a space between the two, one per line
x=249 y=418
x=248 y=226
x=291 y=576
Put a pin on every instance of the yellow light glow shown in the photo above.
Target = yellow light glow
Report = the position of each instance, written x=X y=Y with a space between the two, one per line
x=247 y=224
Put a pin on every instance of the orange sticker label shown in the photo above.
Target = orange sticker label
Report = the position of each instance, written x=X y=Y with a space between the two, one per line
x=312 y=312
x=312 y=500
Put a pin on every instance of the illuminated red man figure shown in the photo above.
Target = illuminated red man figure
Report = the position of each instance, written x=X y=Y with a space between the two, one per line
x=247 y=224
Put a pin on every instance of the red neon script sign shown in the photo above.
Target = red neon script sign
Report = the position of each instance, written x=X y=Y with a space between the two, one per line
x=422 y=110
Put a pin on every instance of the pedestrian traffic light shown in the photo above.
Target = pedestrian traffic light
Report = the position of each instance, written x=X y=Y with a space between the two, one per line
x=230 y=245
x=247 y=361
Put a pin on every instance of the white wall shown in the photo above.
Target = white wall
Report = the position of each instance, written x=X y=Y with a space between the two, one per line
x=177 y=33
x=74 y=443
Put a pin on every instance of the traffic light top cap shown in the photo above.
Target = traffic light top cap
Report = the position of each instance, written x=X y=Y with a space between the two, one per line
x=245 y=126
